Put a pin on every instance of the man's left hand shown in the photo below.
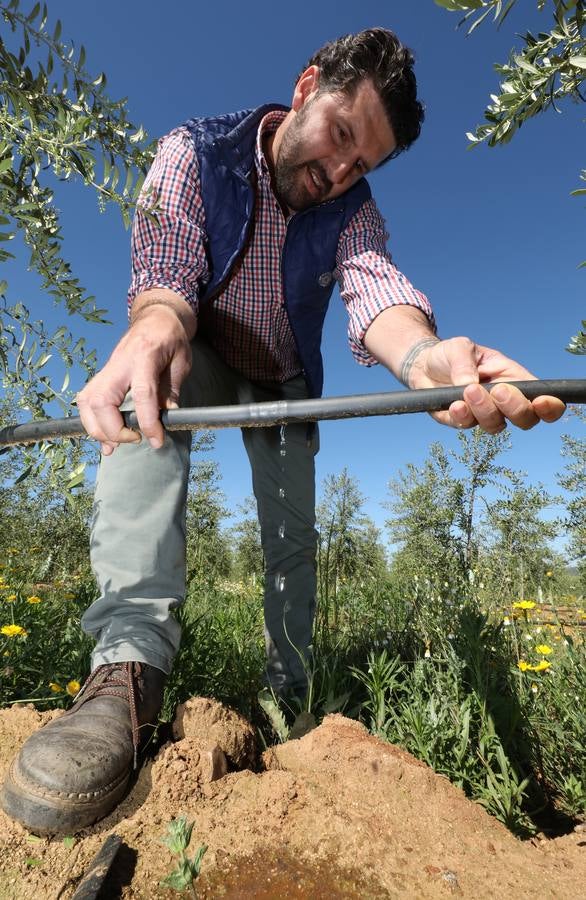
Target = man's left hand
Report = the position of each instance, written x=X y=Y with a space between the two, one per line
x=459 y=361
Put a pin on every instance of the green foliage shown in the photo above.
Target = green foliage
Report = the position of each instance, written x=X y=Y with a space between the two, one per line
x=519 y=555
x=350 y=552
x=458 y=708
x=208 y=549
x=573 y=480
x=557 y=713
x=272 y=708
x=578 y=342
x=381 y=679
x=55 y=119
x=28 y=672
x=547 y=70
x=464 y=518
x=45 y=583
x=222 y=652
x=435 y=510
x=248 y=554
x=177 y=840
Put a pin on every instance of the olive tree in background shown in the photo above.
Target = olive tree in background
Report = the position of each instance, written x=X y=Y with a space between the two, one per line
x=573 y=480
x=208 y=552
x=55 y=120
x=349 y=544
x=462 y=521
x=247 y=549
x=547 y=70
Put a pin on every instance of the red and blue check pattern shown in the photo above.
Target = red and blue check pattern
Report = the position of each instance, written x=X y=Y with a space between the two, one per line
x=247 y=323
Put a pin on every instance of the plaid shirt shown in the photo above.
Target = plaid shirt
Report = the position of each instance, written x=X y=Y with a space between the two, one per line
x=247 y=322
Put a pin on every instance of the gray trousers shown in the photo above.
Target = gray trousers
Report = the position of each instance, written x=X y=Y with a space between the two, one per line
x=138 y=532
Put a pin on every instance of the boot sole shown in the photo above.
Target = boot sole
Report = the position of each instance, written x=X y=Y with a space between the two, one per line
x=46 y=813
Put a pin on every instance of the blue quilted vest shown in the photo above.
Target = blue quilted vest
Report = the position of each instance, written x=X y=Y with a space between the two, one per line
x=225 y=150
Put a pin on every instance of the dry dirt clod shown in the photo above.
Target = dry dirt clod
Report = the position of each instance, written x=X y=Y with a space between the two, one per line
x=218 y=764
x=209 y=722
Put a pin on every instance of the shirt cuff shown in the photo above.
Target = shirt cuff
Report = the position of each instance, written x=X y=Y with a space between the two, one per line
x=357 y=329
x=146 y=281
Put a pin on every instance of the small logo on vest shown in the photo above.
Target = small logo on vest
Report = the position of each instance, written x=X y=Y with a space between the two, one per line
x=325 y=279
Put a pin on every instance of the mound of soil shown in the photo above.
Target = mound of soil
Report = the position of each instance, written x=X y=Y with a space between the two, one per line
x=336 y=814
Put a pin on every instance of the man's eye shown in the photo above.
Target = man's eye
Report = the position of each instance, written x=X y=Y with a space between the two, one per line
x=342 y=134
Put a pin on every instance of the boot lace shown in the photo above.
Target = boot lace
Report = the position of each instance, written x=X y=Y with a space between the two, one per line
x=114 y=680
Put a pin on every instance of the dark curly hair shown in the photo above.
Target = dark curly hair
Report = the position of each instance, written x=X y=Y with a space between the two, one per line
x=378 y=54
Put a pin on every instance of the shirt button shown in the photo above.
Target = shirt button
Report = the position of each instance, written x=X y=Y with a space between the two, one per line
x=325 y=279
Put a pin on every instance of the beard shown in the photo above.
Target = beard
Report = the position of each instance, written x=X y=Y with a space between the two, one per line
x=291 y=174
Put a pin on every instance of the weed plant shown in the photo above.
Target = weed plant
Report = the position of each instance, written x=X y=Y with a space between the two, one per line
x=44 y=655
x=222 y=652
x=486 y=701
x=177 y=839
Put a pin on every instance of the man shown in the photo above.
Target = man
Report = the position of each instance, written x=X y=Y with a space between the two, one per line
x=258 y=214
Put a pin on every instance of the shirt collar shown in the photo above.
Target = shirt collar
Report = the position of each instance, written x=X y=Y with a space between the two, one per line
x=269 y=123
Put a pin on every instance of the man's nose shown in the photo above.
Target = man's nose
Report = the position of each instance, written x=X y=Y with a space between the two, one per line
x=340 y=169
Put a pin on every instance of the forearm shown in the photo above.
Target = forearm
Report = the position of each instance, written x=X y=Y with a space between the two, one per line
x=395 y=338
x=157 y=297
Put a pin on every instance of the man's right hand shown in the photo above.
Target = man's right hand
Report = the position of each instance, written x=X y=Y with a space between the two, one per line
x=151 y=361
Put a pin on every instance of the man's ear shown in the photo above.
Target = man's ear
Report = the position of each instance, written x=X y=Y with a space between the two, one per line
x=307 y=84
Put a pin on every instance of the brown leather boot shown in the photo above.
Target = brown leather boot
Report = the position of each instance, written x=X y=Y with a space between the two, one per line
x=76 y=769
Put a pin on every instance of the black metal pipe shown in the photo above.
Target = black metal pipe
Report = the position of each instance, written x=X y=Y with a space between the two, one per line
x=283 y=412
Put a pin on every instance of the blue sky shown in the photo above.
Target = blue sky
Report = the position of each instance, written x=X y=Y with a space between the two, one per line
x=492 y=236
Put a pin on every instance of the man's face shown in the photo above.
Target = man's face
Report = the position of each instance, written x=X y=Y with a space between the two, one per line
x=332 y=140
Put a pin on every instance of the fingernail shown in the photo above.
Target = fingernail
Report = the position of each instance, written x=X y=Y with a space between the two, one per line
x=474 y=393
x=130 y=436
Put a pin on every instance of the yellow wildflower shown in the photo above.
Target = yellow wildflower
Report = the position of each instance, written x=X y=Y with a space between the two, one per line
x=56 y=688
x=13 y=630
x=33 y=599
x=541 y=666
x=548 y=574
x=73 y=687
x=534 y=687
x=524 y=604
x=506 y=620
x=524 y=665
x=544 y=649
x=10 y=598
